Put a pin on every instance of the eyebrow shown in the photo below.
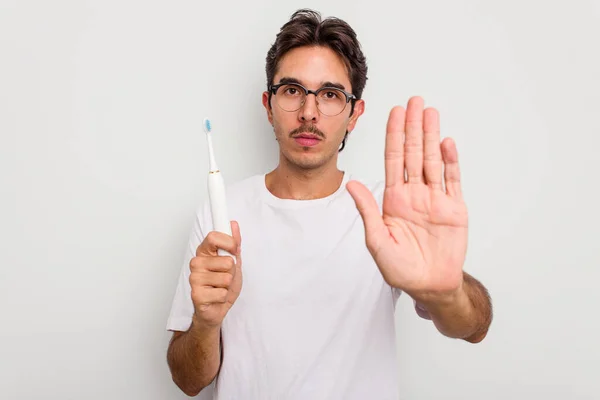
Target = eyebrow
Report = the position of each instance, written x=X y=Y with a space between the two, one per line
x=287 y=79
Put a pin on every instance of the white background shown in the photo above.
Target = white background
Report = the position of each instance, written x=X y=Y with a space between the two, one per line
x=103 y=162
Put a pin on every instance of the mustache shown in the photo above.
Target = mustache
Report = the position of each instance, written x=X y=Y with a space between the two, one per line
x=307 y=129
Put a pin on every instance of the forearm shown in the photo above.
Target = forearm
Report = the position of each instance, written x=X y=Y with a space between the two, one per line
x=465 y=314
x=194 y=358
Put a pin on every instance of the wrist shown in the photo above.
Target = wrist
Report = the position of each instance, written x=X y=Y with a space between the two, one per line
x=203 y=329
x=439 y=302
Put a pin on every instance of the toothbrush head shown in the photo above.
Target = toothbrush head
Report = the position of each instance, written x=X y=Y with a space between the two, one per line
x=206 y=125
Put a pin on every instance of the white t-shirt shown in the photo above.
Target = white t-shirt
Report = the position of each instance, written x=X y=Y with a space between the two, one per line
x=315 y=319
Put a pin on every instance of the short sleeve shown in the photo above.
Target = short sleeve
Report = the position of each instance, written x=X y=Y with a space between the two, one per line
x=182 y=308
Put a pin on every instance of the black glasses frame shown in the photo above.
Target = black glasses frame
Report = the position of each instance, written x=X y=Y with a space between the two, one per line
x=349 y=96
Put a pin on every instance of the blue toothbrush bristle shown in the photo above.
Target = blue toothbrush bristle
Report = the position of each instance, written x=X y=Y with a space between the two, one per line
x=207 y=125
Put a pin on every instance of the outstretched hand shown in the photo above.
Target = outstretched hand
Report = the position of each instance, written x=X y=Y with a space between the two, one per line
x=420 y=241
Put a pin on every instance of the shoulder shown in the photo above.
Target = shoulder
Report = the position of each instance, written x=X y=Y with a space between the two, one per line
x=244 y=190
x=244 y=185
x=237 y=194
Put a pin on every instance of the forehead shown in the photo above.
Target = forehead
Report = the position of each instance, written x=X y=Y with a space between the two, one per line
x=312 y=66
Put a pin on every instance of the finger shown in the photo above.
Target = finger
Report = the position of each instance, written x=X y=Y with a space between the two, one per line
x=207 y=295
x=394 y=147
x=212 y=279
x=432 y=154
x=235 y=230
x=413 y=146
x=451 y=168
x=214 y=241
x=212 y=263
x=369 y=211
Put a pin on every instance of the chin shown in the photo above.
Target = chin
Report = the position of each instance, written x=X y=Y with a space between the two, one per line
x=308 y=160
x=309 y=165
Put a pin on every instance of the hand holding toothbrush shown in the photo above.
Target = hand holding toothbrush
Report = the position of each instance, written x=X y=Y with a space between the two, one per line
x=216 y=280
x=216 y=273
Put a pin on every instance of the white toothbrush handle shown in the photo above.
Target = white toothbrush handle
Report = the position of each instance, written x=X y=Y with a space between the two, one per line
x=218 y=207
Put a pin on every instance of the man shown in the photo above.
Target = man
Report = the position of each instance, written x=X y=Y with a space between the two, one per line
x=324 y=257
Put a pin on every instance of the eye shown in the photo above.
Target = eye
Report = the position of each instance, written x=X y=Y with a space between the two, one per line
x=291 y=90
x=331 y=94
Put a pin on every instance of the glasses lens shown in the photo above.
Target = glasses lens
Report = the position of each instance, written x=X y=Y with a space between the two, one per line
x=331 y=101
x=290 y=97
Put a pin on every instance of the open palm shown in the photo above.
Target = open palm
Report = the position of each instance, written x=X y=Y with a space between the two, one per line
x=420 y=241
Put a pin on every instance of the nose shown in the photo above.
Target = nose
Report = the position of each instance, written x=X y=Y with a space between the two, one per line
x=309 y=110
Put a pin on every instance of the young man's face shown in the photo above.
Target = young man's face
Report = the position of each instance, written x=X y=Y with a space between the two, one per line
x=312 y=67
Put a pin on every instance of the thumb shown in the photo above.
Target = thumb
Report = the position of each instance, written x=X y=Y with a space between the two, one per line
x=235 y=231
x=367 y=207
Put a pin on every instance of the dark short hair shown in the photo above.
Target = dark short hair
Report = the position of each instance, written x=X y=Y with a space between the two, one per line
x=306 y=28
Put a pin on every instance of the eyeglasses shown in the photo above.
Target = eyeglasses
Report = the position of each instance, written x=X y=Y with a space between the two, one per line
x=292 y=96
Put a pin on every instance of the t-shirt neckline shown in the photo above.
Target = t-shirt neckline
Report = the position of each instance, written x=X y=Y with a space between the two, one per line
x=271 y=199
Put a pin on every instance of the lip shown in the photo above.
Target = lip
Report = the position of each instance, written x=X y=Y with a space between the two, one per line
x=307 y=139
x=307 y=136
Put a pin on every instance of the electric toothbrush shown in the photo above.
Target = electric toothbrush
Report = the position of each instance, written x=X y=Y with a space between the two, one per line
x=216 y=192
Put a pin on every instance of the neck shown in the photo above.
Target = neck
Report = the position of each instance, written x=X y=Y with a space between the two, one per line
x=289 y=182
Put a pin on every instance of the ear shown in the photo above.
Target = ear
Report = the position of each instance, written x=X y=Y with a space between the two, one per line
x=265 y=101
x=359 y=109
